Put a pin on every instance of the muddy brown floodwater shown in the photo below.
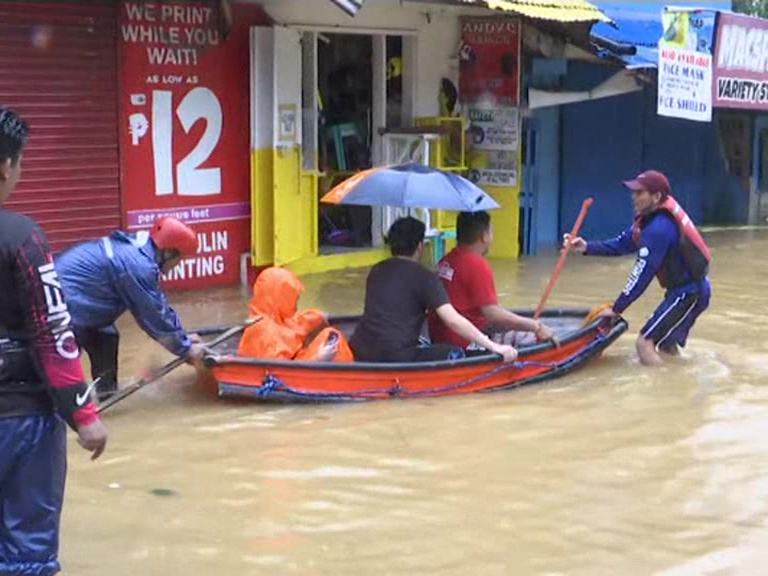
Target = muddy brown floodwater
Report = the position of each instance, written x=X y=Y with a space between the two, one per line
x=615 y=470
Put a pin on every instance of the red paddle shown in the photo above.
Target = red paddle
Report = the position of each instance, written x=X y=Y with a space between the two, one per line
x=563 y=254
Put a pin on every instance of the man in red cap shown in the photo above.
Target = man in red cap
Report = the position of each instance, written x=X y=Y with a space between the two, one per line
x=104 y=278
x=668 y=246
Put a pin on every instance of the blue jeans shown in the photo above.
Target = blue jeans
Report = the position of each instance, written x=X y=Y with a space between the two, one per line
x=33 y=468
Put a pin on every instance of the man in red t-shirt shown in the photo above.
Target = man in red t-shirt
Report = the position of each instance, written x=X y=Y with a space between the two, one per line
x=468 y=279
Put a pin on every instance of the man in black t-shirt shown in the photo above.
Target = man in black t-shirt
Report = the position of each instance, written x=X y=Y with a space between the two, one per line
x=400 y=292
x=42 y=387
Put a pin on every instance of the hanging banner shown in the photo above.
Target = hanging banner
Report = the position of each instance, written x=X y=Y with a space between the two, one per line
x=494 y=141
x=184 y=131
x=741 y=63
x=489 y=58
x=685 y=64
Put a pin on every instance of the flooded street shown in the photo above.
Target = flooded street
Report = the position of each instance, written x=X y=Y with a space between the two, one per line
x=616 y=469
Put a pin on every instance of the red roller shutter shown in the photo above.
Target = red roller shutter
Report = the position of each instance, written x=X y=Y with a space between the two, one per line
x=58 y=69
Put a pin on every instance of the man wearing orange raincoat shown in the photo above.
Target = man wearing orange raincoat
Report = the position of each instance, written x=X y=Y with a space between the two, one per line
x=285 y=333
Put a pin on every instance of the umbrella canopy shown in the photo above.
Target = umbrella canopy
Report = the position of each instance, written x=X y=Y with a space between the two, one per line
x=411 y=185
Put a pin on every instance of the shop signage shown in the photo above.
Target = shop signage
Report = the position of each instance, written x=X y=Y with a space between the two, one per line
x=489 y=83
x=489 y=58
x=741 y=63
x=184 y=130
x=685 y=64
x=494 y=139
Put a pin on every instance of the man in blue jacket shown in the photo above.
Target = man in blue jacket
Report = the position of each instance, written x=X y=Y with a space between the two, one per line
x=103 y=278
x=668 y=246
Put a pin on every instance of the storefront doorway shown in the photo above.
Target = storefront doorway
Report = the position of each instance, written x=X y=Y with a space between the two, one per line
x=345 y=93
x=320 y=100
x=343 y=143
x=759 y=206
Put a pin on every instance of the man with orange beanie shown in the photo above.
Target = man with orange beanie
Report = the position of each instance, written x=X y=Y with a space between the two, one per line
x=285 y=333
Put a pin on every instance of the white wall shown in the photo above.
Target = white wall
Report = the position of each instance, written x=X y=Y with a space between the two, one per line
x=436 y=29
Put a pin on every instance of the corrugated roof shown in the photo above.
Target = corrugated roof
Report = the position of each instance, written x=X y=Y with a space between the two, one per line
x=562 y=11
x=632 y=26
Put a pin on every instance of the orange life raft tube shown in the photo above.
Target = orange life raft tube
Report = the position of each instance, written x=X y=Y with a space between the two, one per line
x=297 y=381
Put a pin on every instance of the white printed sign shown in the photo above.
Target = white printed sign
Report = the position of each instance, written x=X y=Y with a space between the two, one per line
x=494 y=141
x=685 y=84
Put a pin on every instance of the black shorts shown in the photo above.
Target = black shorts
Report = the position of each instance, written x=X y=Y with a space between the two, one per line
x=673 y=319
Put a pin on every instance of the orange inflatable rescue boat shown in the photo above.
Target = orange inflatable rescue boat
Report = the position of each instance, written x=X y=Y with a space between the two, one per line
x=581 y=339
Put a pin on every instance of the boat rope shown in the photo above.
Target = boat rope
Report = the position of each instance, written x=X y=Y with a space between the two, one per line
x=272 y=383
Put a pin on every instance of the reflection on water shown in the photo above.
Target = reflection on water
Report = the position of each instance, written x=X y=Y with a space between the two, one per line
x=615 y=469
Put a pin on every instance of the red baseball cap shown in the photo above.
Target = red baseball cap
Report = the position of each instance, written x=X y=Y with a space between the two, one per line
x=651 y=180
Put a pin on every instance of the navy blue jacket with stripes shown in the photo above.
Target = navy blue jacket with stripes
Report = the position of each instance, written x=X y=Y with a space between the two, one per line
x=659 y=240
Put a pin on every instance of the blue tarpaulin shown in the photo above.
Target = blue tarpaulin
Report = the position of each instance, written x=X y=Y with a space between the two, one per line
x=637 y=29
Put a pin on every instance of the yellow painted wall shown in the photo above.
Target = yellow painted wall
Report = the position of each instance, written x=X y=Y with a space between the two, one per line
x=444 y=219
x=294 y=218
x=285 y=207
x=295 y=207
x=311 y=209
x=297 y=200
x=506 y=222
x=262 y=195
x=340 y=261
